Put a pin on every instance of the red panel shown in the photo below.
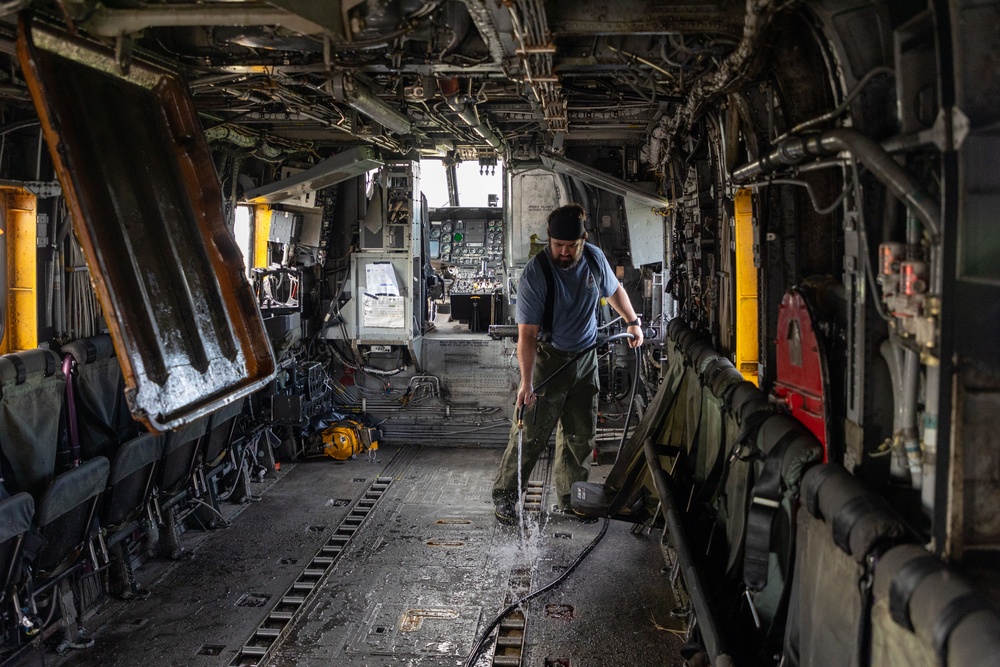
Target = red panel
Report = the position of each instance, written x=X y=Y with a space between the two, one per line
x=802 y=375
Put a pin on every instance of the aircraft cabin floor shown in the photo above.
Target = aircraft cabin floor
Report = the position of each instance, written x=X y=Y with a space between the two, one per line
x=394 y=562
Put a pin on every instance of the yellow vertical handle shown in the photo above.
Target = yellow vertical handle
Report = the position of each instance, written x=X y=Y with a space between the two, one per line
x=746 y=289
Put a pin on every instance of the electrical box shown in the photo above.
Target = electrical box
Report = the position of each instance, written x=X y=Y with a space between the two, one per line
x=394 y=218
x=385 y=288
x=284 y=226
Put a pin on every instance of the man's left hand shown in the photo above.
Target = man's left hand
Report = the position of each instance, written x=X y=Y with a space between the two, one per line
x=637 y=337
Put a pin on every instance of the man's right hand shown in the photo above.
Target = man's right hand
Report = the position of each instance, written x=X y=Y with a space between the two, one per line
x=525 y=396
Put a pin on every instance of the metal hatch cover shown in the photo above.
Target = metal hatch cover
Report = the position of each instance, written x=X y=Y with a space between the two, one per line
x=147 y=208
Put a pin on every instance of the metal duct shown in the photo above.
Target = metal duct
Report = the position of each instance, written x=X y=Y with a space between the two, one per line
x=339 y=168
x=562 y=165
x=108 y=22
x=347 y=89
x=471 y=118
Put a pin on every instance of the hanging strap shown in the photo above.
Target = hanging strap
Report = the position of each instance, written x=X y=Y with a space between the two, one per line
x=749 y=428
x=765 y=503
x=74 y=436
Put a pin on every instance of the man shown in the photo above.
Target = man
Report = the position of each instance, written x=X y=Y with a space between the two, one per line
x=580 y=275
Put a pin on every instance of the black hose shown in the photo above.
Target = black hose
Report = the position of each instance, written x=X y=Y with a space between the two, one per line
x=481 y=644
x=631 y=402
x=609 y=339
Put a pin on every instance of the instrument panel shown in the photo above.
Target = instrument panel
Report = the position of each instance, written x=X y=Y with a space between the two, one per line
x=472 y=247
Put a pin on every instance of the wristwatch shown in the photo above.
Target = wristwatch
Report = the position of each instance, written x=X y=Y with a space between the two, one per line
x=634 y=323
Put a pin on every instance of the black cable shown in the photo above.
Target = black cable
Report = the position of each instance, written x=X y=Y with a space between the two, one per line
x=481 y=644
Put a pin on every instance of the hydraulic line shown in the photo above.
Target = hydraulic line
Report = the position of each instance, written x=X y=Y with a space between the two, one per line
x=796 y=149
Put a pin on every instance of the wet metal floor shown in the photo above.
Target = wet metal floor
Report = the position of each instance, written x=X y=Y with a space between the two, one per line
x=408 y=574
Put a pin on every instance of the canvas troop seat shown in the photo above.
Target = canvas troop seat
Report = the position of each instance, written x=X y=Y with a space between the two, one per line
x=65 y=515
x=103 y=421
x=840 y=527
x=130 y=483
x=126 y=502
x=925 y=614
x=214 y=461
x=15 y=521
x=32 y=420
x=174 y=479
x=65 y=521
x=623 y=492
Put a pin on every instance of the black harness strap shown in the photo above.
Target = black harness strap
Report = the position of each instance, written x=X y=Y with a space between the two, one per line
x=545 y=264
x=751 y=423
x=905 y=581
x=765 y=504
x=954 y=613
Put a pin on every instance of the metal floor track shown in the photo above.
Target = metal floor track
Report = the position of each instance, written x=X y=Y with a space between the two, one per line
x=401 y=563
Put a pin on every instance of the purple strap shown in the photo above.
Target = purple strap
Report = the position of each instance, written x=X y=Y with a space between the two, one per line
x=74 y=437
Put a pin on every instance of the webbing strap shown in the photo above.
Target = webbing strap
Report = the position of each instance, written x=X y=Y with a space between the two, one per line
x=91 y=350
x=545 y=264
x=954 y=613
x=905 y=581
x=550 y=292
x=850 y=514
x=19 y=369
x=764 y=506
x=814 y=484
x=751 y=423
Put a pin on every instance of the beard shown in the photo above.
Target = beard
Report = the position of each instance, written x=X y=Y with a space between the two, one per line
x=566 y=262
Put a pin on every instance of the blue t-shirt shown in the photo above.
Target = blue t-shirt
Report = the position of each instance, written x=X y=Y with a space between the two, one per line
x=574 y=325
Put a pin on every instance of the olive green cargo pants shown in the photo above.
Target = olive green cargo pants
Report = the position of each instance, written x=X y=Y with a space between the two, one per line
x=569 y=399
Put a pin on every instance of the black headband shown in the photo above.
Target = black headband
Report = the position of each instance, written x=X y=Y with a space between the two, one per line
x=566 y=225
